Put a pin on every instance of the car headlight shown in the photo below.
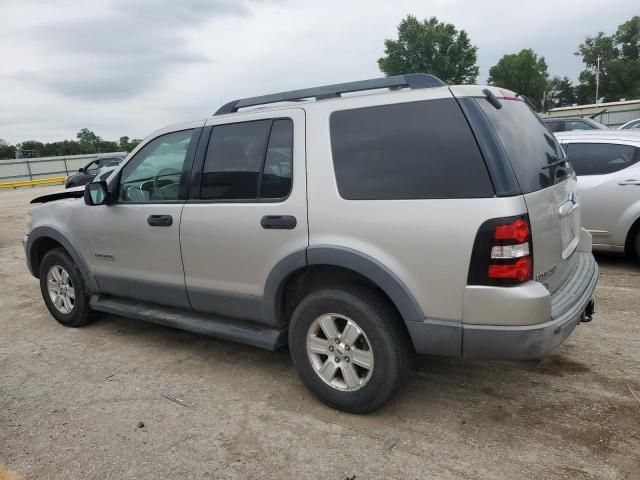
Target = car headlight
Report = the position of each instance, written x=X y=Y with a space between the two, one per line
x=27 y=224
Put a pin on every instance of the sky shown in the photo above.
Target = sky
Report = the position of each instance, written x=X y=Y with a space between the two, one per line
x=129 y=67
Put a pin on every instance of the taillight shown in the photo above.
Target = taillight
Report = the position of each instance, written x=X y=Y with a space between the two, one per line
x=502 y=252
x=520 y=270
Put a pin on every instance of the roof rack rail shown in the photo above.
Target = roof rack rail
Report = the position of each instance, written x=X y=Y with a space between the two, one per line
x=411 y=80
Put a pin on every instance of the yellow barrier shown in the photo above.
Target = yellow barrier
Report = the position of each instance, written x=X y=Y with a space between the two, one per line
x=29 y=183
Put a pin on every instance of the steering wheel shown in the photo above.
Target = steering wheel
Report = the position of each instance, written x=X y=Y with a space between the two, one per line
x=163 y=172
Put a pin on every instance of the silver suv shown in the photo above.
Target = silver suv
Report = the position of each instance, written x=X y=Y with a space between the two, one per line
x=357 y=229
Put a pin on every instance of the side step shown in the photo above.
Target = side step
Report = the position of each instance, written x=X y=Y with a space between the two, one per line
x=215 y=326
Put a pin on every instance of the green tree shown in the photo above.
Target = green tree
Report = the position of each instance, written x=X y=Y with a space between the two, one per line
x=430 y=46
x=7 y=151
x=560 y=93
x=89 y=141
x=523 y=72
x=126 y=145
x=619 y=64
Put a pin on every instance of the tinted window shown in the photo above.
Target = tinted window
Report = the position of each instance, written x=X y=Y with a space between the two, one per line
x=407 y=151
x=535 y=155
x=601 y=158
x=154 y=174
x=578 y=125
x=554 y=125
x=278 y=163
x=238 y=153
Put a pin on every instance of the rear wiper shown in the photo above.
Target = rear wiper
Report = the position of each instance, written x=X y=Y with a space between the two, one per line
x=555 y=164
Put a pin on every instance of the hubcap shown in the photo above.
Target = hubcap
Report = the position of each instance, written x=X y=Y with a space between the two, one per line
x=60 y=288
x=339 y=352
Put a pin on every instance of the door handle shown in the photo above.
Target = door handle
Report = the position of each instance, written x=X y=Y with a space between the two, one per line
x=160 y=220
x=279 y=222
x=629 y=182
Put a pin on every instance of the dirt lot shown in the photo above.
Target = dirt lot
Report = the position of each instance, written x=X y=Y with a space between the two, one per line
x=71 y=400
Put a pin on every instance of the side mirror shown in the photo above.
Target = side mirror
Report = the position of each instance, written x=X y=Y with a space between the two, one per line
x=97 y=193
x=81 y=170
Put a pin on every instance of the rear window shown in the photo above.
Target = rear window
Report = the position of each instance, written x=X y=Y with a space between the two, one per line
x=414 y=150
x=536 y=157
x=601 y=158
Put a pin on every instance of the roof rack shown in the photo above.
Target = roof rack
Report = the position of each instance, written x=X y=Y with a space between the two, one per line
x=410 y=80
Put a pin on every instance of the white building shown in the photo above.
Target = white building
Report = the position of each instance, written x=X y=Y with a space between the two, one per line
x=615 y=113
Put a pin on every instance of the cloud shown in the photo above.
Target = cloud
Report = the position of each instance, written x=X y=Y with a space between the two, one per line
x=128 y=67
x=123 y=51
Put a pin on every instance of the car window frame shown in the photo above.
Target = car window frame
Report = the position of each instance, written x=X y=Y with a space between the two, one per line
x=566 y=145
x=185 y=176
x=201 y=155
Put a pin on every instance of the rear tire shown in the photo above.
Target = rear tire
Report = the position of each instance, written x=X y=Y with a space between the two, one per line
x=636 y=245
x=63 y=289
x=360 y=364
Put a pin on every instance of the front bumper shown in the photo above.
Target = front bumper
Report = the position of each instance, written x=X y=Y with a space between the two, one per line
x=522 y=342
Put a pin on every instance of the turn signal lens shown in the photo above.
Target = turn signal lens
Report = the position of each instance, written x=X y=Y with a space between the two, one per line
x=520 y=270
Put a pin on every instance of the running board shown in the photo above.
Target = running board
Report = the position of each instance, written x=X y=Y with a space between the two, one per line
x=214 y=326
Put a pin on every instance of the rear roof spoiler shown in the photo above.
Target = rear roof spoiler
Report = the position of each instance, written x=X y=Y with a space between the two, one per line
x=411 y=80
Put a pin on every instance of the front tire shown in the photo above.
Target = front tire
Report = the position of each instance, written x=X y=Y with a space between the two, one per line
x=349 y=347
x=63 y=289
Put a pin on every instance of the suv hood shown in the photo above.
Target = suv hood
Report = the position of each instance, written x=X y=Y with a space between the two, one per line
x=75 y=192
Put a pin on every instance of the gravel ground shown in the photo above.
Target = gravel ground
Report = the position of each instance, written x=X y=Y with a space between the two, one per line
x=90 y=403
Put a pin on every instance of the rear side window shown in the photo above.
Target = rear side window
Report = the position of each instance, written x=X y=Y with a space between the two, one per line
x=601 y=158
x=536 y=157
x=555 y=126
x=249 y=161
x=578 y=125
x=415 y=150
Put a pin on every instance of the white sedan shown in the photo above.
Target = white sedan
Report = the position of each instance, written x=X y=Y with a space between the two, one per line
x=607 y=163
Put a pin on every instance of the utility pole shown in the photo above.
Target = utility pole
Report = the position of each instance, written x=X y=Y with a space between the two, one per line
x=597 y=77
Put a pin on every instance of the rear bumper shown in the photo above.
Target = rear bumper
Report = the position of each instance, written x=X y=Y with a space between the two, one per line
x=523 y=342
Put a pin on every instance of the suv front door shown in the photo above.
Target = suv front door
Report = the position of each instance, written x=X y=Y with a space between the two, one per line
x=247 y=210
x=135 y=240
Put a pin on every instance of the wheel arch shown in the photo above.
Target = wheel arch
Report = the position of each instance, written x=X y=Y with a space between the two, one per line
x=43 y=239
x=364 y=269
x=629 y=247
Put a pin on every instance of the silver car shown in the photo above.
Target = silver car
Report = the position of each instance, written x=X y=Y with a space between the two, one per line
x=356 y=229
x=607 y=163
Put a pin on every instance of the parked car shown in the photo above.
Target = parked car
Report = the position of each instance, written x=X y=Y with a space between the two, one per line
x=355 y=229
x=633 y=124
x=572 y=123
x=608 y=167
x=85 y=174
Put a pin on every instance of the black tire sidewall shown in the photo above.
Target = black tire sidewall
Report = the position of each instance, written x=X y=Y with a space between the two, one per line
x=79 y=314
x=384 y=342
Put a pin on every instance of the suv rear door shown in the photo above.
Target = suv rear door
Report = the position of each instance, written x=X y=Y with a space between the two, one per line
x=247 y=209
x=548 y=183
